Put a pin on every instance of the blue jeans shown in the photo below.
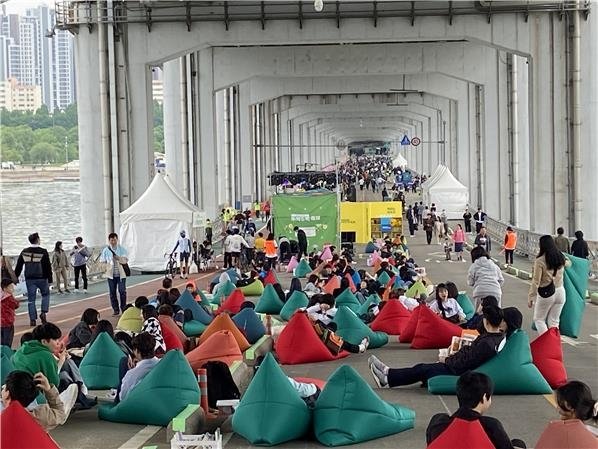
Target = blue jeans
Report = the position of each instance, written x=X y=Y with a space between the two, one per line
x=32 y=286
x=122 y=292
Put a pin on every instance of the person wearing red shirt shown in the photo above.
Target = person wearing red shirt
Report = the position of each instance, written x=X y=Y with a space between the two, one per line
x=7 y=312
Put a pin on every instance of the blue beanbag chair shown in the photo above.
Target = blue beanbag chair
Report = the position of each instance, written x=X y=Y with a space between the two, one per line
x=187 y=302
x=250 y=324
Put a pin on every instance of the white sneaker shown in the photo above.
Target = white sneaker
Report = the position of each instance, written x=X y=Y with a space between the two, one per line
x=85 y=291
x=76 y=290
x=69 y=397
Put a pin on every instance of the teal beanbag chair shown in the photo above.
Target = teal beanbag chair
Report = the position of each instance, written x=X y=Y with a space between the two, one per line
x=383 y=279
x=256 y=288
x=193 y=328
x=187 y=302
x=205 y=302
x=348 y=299
x=576 y=284
x=250 y=324
x=466 y=305
x=370 y=248
x=269 y=302
x=271 y=411
x=7 y=351
x=303 y=269
x=353 y=330
x=161 y=395
x=225 y=290
x=296 y=301
x=99 y=367
x=6 y=367
x=348 y=411
x=371 y=300
x=511 y=370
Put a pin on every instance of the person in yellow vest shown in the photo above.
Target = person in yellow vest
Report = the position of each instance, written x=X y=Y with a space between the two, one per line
x=510 y=244
x=256 y=208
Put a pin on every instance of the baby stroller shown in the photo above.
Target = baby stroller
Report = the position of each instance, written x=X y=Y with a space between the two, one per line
x=206 y=257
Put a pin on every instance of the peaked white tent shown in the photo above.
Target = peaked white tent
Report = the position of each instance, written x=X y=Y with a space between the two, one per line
x=400 y=161
x=447 y=193
x=150 y=227
x=431 y=179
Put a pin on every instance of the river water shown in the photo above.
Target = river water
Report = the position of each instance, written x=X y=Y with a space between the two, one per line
x=50 y=208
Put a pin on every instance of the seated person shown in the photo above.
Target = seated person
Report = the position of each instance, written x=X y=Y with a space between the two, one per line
x=166 y=284
x=575 y=405
x=22 y=387
x=344 y=285
x=313 y=286
x=165 y=317
x=408 y=303
x=173 y=295
x=476 y=321
x=131 y=319
x=468 y=358
x=80 y=335
x=384 y=268
x=448 y=308
x=295 y=285
x=512 y=320
x=151 y=325
x=223 y=279
x=138 y=366
x=474 y=393
x=121 y=338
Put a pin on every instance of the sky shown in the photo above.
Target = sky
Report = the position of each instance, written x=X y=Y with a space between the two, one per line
x=20 y=6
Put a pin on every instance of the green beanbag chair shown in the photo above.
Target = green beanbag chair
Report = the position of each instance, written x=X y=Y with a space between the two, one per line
x=296 y=301
x=353 y=330
x=303 y=269
x=99 y=367
x=370 y=248
x=466 y=305
x=193 y=328
x=227 y=288
x=384 y=278
x=250 y=324
x=205 y=302
x=256 y=288
x=511 y=370
x=187 y=302
x=416 y=289
x=7 y=351
x=348 y=299
x=271 y=411
x=6 y=367
x=370 y=301
x=576 y=285
x=269 y=302
x=348 y=411
x=161 y=395
x=131 y=320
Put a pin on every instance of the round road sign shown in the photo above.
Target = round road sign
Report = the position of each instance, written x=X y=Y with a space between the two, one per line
x=415 y=141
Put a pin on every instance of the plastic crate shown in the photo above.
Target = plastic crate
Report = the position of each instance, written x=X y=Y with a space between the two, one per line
x=203 y=441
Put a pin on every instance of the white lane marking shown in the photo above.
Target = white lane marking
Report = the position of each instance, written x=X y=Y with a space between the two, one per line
x=138 y=440
x=444 y=404
x=571 y=341
x=594 y=336
x=226 y=438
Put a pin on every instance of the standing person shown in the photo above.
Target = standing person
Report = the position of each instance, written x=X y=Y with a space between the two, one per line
x=60 y=264
x=301 y=241
x=580 y=248
x=266 y=209
x=7 y=312
x=438 y=229
x=459 y=239
x=411 y=220
x=483 y=240
x=115 y=258
x=271 y=249
x=38 y=276
x=444 y=220
x=428 y=227
x=420 y=212
x=7 y=270
x=484 y=276
x=480 y=219
x=80 y=254
x=260 y=247
x=228 y=258
x=510 y=245
x=208 y=230
x=256 y=209
x=184 y=245
x=384 y=194
x=237 y=243
x=562 y=242
x=547 y=293
x=467 y=221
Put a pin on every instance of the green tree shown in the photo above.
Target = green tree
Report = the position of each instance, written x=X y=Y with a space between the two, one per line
x=43 y=152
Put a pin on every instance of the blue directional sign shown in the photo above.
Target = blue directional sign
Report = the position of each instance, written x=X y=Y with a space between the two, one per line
x=405 y=140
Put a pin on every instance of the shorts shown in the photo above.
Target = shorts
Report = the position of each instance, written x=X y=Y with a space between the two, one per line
x=236 y=254
x=185 y=257
x=458 y=247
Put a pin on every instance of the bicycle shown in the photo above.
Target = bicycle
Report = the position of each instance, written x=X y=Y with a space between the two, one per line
x=171 y=265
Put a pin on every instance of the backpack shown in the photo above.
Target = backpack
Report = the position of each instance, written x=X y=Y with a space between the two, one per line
x=220 y=383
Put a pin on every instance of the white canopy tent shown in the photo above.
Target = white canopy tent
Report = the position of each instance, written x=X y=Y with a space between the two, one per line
x=431 y=179
x=150 y=227
x=447 y=193
x=400 y=161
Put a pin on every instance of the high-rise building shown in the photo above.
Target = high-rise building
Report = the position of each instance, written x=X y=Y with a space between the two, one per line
x=16 y=97
x=64 y=70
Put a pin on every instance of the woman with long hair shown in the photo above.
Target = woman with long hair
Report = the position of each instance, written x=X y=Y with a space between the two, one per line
x=60 y=265
x=547 y=293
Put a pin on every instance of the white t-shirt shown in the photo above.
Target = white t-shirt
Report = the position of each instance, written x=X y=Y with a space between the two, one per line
x=236 y=242
x=184 y=245
x=451 y=308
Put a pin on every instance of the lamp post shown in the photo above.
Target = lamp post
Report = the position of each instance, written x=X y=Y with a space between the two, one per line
x=66 y=152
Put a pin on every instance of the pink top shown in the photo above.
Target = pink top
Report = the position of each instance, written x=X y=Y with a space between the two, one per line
x=458 y=236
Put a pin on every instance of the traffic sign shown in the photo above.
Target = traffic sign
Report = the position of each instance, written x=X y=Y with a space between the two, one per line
x=405 y=140
x=415 y=141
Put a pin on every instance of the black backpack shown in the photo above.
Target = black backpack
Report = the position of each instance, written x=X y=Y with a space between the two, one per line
x=220 y=383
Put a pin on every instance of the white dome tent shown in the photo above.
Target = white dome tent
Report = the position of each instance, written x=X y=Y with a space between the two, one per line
x=400 y=161
x=150 y=227
x=447 y=193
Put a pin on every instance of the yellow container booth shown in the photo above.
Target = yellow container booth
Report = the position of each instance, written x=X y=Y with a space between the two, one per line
x=362 y=222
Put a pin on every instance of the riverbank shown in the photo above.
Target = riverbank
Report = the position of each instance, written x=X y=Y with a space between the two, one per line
x=41 y=174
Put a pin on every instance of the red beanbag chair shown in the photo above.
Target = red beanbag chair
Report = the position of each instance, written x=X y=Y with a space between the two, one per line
x=233 y=303
x=432 y=332
x=170 y=339
x=351 y=283
x=270 y=278
x=463 y=435
x=392 y=318
x=308 y=380
x=223 y=322
x=167 y=321
x=333 y=282
x=408 y=331
x=220 y=346
x=299 y=343
x=570 y=434
x=547 y=355
x=21 y=431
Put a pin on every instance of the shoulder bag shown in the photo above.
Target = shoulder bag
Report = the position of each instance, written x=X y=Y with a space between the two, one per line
x=125 y=266
x=548 y=290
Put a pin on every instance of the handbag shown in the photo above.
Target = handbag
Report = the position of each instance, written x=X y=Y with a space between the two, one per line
x=548 y=290
x=125 y=266
x=332 y=341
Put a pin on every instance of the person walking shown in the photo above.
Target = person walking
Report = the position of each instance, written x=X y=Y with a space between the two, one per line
x=547 y=292
x=80 y=254
x=60 y=265
x=429 y=227
x=411 y=217
x=562 y=242
x=301 y=241
x=480 y=219
x=580 y=248
x=117 y=270
x=467 y=221
x=438 y=229
x=38 y=276
x=271 y=250
x=483 y=240
x=484 y=276
x=459 y=239
x=208 y=230
x=184 y=245
x=256 y=209
x=510 y=245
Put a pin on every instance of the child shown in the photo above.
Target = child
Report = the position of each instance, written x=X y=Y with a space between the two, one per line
x=447 y=248
x=7 y=312
x=151 y=325
x=448 y=308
